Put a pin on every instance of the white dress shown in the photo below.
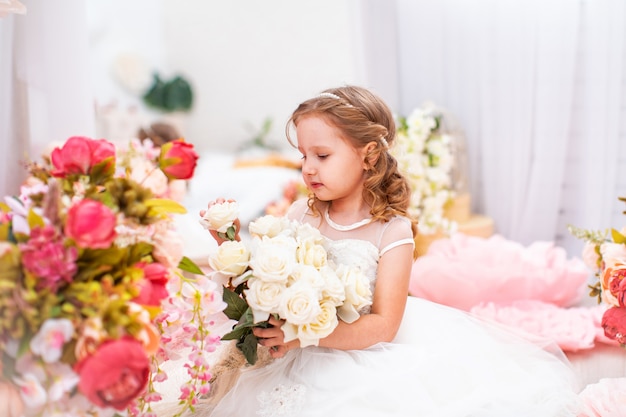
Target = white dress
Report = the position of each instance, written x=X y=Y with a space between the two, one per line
x=443 y=362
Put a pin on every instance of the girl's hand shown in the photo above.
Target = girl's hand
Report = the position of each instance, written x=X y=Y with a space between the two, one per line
x=236 y=223
x=274 y=338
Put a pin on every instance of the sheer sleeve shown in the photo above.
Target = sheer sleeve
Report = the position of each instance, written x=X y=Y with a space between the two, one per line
x=298 y=210
x=396 y=232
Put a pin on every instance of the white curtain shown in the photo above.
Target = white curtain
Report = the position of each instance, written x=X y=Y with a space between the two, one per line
x=530 y=81
x=599 y=118
x=11 y=147
x=44 y=83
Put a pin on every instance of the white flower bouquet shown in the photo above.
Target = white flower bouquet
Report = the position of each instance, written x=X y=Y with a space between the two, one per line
x=425 y=154
x=282 y=270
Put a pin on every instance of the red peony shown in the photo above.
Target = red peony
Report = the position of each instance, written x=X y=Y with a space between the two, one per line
x=115 y=374
x=614 y=324
x=178 y=159
x=91 y=224
x=153 y=286
x=79 y=154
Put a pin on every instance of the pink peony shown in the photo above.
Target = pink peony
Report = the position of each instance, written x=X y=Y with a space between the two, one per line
x=571 y=328
x=45 y=256
x=463 y=271
x=178 y=159
x=606 y=398
x=614 y=324
x=168 y=247
x=79 y=154
x=91 y=224
x=620 y=293
x=153 y=285
x=610 y=281
x=115 y=374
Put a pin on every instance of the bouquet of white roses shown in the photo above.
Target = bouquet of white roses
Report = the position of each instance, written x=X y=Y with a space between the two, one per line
x=282 y=270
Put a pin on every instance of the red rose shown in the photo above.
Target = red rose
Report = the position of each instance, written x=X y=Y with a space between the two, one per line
x=614 y=324
x=153 y=285
x=178 y=159
x=115 y=374
x=91 y=224
x=79 y=154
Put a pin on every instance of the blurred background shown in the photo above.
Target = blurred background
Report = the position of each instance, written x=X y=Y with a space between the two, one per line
x=537 y=87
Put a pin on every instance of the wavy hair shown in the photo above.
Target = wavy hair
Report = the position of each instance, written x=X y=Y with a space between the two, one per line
x=363 y=117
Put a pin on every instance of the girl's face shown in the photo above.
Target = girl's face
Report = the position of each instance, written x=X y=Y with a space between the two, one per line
x=331 y=167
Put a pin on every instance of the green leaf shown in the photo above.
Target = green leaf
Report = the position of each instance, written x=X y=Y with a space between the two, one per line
x=110 y=256
x=155 y=96
x=178 y=95
x=168 y=96
x=238 y=333
x=188 y=265
x=4 y=231
x=618 y=237
x=103 y=170
x=165 y=205
x=237 y=306
x=34 y=220
x=230 y=233
x=249 y=348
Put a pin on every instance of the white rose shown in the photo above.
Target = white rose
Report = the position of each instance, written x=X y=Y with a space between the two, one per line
x=220 y=217
x=305 y=231
x=300 y=304
x=263 y=298
x=268 y=225
x=273 y=259
x=333 y=288
x=323 y=325
x=230 y=259
x=311 y=253
x=307 y=275
x=358 y=292
x=613 y=253
x=591 y=256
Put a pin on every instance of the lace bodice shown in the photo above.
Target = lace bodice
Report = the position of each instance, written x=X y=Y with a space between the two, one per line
x=356 y=252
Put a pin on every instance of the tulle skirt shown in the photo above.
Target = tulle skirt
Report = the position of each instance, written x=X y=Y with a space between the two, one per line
x=444 y=362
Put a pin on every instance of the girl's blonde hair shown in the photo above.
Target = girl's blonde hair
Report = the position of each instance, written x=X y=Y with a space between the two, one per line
x=363 y=117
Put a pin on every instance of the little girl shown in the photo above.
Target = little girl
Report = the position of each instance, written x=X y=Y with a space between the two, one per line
x=403 y=356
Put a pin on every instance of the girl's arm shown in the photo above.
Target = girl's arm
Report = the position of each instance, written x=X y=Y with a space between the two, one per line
x=381 y=325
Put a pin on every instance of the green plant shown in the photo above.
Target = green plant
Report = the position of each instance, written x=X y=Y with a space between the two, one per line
x=168 y=96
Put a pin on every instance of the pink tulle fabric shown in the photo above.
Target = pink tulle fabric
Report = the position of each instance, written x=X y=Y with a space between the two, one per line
x=573 y=329
x=606 y=398
x=463 y=271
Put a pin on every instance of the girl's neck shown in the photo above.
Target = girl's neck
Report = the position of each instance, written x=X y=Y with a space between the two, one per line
x=348 y=213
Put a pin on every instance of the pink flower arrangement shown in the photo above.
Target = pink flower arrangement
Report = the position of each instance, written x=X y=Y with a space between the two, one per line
x=93 y=298
x=163 y=170
x=606 y=257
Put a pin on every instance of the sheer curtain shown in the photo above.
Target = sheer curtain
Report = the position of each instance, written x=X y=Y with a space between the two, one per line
x=535 y=84
x=44 y=83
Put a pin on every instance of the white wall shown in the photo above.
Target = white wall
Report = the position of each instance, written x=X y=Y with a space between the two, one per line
x=247 y=60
